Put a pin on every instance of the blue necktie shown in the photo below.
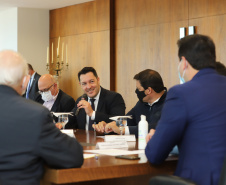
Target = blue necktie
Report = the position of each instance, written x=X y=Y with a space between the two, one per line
x=28 y=89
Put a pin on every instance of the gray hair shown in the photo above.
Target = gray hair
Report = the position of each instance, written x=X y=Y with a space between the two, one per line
x=13 y=68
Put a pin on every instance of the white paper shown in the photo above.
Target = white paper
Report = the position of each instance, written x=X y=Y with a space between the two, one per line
x=115 y=118
x=114 y=152
x=57 y=114
x=119 y=138
x=69 y=132
x=86 y=156
x=110 y=145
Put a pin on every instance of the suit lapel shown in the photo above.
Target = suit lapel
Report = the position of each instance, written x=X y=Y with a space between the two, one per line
x=55 y=107
x=101 y=100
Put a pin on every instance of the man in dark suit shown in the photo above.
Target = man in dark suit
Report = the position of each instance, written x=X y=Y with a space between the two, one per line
x=105 y=103
x=32 y=87
x=28 y=137
x=52 y=97
x=151 y=93
x=194 y=115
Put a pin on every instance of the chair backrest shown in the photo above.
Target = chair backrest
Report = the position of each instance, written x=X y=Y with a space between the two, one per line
x=222 y=180
x=169 y=180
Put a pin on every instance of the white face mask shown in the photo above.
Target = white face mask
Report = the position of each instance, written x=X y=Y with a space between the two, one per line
x=181 y=77
x=47 y=96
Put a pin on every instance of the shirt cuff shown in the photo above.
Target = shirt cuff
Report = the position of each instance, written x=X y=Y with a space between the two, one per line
x=93 y=115
x=127 y=130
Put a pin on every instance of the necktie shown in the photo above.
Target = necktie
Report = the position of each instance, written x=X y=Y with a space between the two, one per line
x=93 y=107
x=28 y=89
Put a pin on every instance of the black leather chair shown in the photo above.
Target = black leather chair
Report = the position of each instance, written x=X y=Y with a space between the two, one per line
x=169 y=180
x=174 y=180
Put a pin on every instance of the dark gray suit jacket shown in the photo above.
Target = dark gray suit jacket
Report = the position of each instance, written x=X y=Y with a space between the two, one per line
x=110 y=104
x=28 y=139
x=63 y=103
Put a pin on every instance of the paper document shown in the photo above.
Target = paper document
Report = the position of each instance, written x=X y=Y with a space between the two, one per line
x=110 y=145
x=114 y=152
x=69 y=132
x=119 y=138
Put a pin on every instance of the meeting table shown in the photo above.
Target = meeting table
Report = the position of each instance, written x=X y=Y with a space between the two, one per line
x=105 y=169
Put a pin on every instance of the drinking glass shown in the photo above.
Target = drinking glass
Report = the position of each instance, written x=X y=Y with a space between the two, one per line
x=121 y=123
x=63 y=119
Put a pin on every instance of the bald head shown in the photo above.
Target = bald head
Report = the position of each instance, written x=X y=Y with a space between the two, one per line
x=47 y=82
x=13 y=69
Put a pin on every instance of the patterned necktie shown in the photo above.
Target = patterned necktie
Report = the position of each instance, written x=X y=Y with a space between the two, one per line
x=93 y=107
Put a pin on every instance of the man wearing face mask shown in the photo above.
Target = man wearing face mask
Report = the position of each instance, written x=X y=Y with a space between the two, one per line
x=52 y=97
x=194 y=115
x=151 y=93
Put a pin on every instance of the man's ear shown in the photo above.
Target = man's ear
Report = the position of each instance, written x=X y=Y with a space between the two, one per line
x=149 y=90
x=184 y=63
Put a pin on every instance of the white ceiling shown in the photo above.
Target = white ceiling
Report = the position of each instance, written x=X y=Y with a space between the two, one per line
x=44 y=4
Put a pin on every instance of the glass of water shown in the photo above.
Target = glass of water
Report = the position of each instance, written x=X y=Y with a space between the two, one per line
x=121 y=123
x=63 y=119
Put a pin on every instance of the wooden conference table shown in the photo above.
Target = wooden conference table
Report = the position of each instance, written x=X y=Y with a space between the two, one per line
x=107 y=169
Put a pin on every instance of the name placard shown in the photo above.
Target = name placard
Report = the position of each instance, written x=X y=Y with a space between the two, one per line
x=119 y=138
x=69 y=132
x=111 y=145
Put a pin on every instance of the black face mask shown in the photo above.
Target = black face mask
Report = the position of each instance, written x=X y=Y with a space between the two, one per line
x=140 y=95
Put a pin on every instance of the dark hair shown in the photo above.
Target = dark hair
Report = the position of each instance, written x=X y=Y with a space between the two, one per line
x=199 y=51
x=150 y=78
x=87 y=70
x=220 y=68
x=30 y=67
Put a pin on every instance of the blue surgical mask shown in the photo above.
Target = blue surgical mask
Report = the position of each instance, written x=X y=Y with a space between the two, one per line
x=181 y=78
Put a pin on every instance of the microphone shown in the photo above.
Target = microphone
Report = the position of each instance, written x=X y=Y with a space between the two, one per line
x=84 y=97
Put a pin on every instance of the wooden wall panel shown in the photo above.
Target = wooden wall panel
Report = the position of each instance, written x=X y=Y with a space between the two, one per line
x=133 y=13
x=147 y=47
x=82 y=18
x=204 y=8
x=83 y=51
x=85 y=28
x=214 y=27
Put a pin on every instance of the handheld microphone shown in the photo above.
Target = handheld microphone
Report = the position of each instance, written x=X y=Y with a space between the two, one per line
x=84 y=97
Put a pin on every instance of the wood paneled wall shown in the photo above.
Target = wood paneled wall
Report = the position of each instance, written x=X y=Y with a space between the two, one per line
x=145 y=36
x=85 y=28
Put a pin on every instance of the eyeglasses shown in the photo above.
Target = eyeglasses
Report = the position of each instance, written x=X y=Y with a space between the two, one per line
x=45 y=90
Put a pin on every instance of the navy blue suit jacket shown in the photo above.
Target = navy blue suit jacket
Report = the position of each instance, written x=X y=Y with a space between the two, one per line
x=29 y=139
x=194 y=118
x=110 y=104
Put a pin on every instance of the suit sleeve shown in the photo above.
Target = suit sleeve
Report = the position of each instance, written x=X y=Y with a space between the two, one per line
x=169 y=129
x=69 y=105
x=116 y=107
x=57 y=149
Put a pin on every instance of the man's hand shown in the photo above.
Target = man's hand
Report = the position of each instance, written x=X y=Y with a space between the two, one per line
x=85 y=105
x=100 y=127
x=58 y=125
x=112 y=127
x=150 y=134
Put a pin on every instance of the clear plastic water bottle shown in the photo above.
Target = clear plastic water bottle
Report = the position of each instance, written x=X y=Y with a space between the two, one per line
x=142 y=132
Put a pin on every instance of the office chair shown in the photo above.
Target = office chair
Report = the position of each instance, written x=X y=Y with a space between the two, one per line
x=174 y=180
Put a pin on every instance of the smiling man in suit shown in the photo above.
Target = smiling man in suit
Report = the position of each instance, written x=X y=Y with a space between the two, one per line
x=98 y=105
x=52 y=97
x=32 y=87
